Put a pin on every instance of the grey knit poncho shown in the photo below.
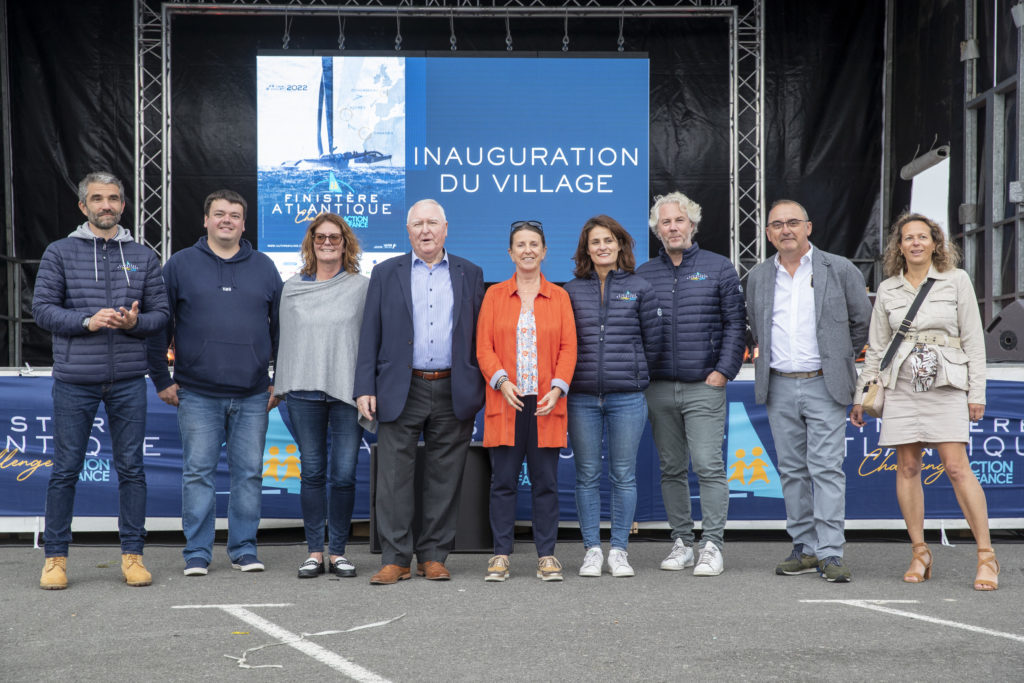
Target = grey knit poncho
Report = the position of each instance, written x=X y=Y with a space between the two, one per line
x=320 y=335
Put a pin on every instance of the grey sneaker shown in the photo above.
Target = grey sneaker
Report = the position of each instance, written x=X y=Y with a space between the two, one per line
x=710 y=562
x=592 y=562
x=497 y=568
x=833 y=570
x=618 y=563
x=681 y=557
x=797 y=563
x=549 y=569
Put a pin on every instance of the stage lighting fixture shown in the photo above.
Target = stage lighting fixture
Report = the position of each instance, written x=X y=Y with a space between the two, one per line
x=924 y=162
x=1017 y=11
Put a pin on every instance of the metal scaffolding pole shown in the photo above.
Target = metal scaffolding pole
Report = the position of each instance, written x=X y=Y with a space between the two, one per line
x=12 y=264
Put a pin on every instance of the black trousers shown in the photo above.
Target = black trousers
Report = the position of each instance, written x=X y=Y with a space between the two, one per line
x=428 y=410
x=542 y=468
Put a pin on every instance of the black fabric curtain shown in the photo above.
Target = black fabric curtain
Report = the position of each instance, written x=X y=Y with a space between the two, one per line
x=823 y=118
x=73 y=101
x=927 y=111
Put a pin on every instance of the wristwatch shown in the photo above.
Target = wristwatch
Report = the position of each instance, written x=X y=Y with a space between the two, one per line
x=85 y=322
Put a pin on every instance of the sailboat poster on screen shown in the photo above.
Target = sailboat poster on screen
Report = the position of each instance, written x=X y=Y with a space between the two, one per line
x=494 y=139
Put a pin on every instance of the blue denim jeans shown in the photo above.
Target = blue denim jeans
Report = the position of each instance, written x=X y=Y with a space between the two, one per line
x=328 y=490
x=74 y=409
x=624 y=415
x=206 y=423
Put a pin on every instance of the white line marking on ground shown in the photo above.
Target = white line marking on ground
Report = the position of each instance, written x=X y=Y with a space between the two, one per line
x=258 y=604
x=320 y=654
x=877 y=605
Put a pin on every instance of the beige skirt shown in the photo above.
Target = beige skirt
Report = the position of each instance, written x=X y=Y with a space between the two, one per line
x=936 y=416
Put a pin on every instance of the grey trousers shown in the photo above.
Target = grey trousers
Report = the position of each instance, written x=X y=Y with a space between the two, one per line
x=809 y=429
x=428 y=409
x=688 y=424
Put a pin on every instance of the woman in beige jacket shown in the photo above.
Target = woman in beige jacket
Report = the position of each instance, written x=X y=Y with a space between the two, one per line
x=935 y=385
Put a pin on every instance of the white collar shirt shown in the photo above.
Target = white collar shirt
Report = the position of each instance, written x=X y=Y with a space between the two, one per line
x=794 y=336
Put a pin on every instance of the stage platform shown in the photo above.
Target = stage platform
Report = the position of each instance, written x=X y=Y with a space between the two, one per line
x=996 y=450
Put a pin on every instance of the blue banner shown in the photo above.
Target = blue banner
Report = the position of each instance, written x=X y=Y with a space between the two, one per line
x=995 y=449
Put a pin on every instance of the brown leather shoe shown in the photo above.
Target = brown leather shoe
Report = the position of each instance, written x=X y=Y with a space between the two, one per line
x=389 y=574
x=433 y=571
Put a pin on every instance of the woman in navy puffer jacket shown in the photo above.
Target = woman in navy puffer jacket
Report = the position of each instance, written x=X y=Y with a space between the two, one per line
x=618 y=329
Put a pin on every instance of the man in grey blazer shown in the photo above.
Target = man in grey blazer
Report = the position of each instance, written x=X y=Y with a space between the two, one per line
x=809 y=313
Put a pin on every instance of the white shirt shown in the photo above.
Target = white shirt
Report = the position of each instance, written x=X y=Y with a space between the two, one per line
x=794 y=339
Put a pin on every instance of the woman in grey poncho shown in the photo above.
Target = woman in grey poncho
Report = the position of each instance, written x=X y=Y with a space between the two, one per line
x=321 y=312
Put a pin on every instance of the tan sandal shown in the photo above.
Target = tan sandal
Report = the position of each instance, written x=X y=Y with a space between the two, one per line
x=920 y=552
x=987 y=558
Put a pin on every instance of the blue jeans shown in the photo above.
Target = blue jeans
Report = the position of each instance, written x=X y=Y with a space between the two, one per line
x=326 y=471
x=74 y=408
x=206 y=423
x=624 y=415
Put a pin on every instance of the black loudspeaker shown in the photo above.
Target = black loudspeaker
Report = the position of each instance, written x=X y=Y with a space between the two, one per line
x=473 y=527
x=1004 y=337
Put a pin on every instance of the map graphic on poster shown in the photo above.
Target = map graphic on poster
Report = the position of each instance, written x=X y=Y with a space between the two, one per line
x=493 y=139
x=331 y=138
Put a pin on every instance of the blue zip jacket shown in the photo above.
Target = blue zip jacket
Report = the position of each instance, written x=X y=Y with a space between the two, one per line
x=224 y=322
x=617 y=337
x=78 y=276
x=705 y=318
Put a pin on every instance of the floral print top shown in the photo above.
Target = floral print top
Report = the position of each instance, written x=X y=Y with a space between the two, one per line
x=526 y=353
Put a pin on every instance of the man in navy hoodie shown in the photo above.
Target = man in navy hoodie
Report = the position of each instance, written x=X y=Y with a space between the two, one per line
x=224 y=297
x=703 y=339
x=100 y=293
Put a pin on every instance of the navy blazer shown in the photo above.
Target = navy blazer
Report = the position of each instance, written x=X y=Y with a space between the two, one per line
x=384 y=365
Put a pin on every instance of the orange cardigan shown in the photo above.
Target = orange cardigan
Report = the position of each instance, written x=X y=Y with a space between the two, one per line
x=496 y=350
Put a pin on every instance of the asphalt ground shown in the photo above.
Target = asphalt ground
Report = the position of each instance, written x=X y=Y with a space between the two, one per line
x=747 y=624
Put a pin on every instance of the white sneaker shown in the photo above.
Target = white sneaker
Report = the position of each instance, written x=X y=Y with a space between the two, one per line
x=681 y=557
x=592 y=562
x=618 y=563
x=710 y=562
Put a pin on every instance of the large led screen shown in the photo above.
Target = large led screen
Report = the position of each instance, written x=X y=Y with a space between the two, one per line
x=493 y=139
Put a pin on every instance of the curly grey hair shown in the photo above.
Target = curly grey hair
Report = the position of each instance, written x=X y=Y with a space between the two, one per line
x=687 y=205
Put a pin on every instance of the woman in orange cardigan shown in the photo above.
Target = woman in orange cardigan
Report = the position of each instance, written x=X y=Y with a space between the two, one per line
x=526 y=347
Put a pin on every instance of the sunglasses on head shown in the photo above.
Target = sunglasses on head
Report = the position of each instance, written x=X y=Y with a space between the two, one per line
x=535 y=225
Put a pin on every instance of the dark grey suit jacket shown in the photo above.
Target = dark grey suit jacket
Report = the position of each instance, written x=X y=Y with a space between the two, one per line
x=842 y=313
x=384 y=365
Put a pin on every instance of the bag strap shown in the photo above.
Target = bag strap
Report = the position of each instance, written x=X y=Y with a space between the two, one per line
x=904 y=327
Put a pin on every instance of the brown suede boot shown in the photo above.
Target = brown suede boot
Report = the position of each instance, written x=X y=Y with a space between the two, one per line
x=135 y=574
x=55 y=575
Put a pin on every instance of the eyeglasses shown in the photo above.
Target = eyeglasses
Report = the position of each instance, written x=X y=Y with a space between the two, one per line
x=320 y=238
x=792 y=224
x=535 y=225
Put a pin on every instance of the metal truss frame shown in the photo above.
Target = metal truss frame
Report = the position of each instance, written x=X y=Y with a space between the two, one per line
x=991 y=216
x=746 y=71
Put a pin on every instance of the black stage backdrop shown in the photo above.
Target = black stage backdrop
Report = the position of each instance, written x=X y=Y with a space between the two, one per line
x=72 y=96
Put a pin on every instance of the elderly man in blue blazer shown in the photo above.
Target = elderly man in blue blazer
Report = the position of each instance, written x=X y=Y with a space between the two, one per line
x=809 y=313
x=417 y=372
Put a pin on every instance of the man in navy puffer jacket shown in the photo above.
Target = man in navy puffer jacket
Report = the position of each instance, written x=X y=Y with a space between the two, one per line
x=705 y=321
x=100 y=293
